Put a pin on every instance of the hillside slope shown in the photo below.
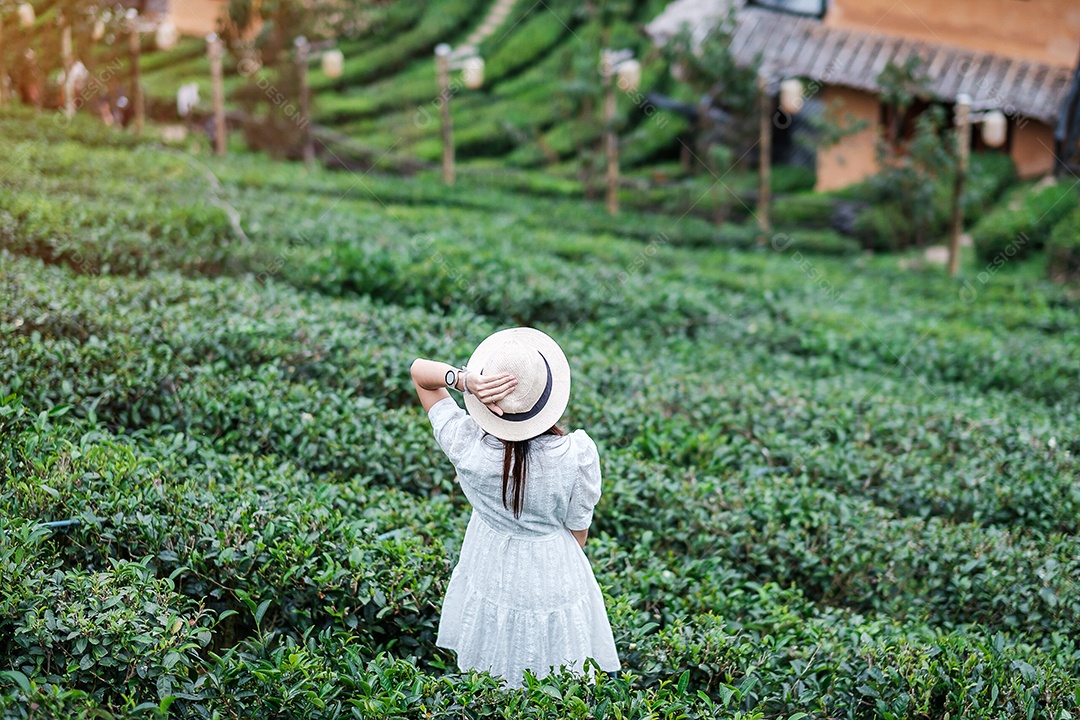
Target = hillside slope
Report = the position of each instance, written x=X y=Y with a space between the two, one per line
x=833 y=488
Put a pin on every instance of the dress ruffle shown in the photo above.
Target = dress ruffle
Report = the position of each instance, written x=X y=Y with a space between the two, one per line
x=517 y=603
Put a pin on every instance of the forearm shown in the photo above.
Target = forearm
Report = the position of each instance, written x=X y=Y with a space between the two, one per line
x=429 y=378
x=431 y=374
x=581 y=536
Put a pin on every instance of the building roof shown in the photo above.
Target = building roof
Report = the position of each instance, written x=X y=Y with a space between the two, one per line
x=701 y=16
x=794 y=46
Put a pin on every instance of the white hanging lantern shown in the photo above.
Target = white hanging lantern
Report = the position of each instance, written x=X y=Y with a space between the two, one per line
x=166 y=36
x=187 y=97
x=791 y=96
x=629 y=75
x=333 y=63
x=27 y=16
x=472 y=72
x=79 y=75
x=99 y=30
x=995 y=127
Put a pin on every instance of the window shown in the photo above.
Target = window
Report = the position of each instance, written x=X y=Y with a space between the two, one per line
x=815 y=8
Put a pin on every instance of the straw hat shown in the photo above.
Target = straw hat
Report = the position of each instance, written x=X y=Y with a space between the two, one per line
x=543 y=383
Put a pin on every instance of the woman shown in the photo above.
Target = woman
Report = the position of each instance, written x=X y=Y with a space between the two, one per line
x=523 y=595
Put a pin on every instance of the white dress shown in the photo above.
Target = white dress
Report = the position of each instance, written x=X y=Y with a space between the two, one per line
x=523 y=595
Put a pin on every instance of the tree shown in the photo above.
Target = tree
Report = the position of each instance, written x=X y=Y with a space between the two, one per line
x=727 y=127
x=915 y=153
x=262 y=35
x=900 y=86
x=580 y=94
x=32 y=55
x=727 y=91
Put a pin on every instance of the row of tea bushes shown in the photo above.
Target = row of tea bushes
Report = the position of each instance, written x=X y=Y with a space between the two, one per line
x=254 y=412
x=267 y=368
x=131 y=223
x=230 y=528
x=221 y=526
x=123 y=182
x=440 y=20
x=783 y=655
x=20 y=124
x=120 y=628
x=306 y=232
x=915 y=450
x=844 y=550
x=262 y=367
x=792 y=523
x=1030 y=361
x=134 y=239
x=619 y=280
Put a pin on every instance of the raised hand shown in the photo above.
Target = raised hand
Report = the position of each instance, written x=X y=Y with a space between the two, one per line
x=491 y=389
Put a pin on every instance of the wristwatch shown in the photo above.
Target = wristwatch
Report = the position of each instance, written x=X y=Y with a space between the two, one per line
x=451 y=378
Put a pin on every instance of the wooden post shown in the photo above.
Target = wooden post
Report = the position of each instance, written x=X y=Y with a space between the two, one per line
x=963 y=149
x=442 y=70
x=611 y=140
x=66 y=54
x=764 y=156
x=215 y=51
x=302 y=48
x=3 y=67
x=135 y=46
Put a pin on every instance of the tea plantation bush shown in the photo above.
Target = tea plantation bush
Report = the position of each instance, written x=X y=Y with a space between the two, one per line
x=882 y=222
x=833 y=488
x=1024 y=225
x=1063 y=247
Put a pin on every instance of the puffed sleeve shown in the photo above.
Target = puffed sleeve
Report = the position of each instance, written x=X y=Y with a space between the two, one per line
x=454 y=430
x=586 y=491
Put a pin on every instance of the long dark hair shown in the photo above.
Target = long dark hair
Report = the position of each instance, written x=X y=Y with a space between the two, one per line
x=515 y=464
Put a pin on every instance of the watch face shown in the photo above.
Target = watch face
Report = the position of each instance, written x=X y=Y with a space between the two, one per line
x=451 y=378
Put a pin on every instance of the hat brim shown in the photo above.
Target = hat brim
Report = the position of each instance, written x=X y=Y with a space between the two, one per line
x=549 y=414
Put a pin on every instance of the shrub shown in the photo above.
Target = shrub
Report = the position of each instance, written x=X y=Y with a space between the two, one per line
x=989 y=175
x=803 y=211
x=913 y=180
x=960 y=676
x=884 y=224
x=792 y=179
x=1022 y=225
x=538 y=33
x=119 y=635
x=127 y=235
x=438 y=22
x=881 y=227
x=812 y=504
x=743 y=237
x=227 y=533
x=27 y=699
x=1063 y=248
x=824 y=242
x=651 y=140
